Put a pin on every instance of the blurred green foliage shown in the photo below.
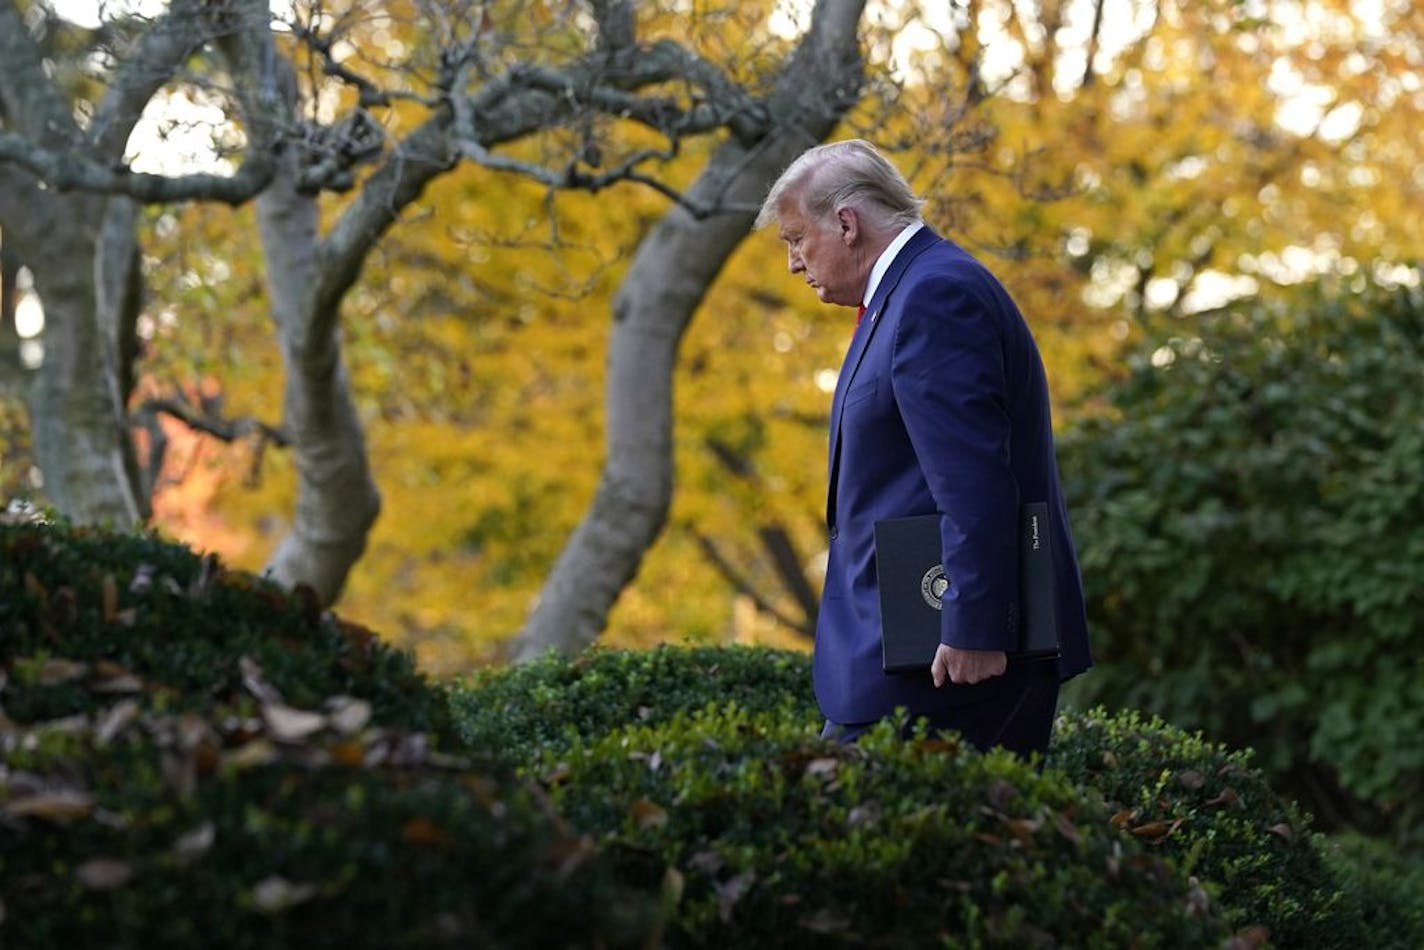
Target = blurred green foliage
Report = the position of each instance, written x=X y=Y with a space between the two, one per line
x=1247 y=515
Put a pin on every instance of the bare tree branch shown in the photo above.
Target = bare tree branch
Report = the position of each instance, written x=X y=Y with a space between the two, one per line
x=742 y=585
x=69 y=170
x=163 y=48
x=205 y=419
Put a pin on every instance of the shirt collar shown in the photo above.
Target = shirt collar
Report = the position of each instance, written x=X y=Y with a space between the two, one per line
x=886 y=258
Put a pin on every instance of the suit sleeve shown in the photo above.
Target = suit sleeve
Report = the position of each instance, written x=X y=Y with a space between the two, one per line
x=949 y=378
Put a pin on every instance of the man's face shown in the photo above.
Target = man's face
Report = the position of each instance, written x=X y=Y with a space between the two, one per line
x=820 y=249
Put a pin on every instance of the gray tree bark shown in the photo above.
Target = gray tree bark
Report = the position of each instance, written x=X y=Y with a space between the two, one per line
x=670 y=275
x=337 y=499
x=80 y=438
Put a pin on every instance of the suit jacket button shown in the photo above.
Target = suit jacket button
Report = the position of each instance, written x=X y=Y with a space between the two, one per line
x=834 y=533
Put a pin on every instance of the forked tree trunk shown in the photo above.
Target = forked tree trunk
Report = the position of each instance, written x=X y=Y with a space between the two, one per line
x=337 y=499
x=670 y=275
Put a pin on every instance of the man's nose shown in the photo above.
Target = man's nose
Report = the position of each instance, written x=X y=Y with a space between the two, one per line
x=794 y=262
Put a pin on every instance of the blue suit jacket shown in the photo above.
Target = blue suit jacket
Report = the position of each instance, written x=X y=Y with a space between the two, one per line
x=942 y=405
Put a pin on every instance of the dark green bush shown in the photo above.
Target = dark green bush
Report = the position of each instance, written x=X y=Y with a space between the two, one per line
x=1216 y=817
x=553 y=702
x=182 y=623
x=157 y=790
x=1247 y=519
x=767 y=836
x=1386 y=885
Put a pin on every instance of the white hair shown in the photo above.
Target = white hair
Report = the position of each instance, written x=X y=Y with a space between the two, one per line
x=851 y=173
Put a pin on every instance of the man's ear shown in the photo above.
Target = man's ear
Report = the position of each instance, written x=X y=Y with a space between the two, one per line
x=850 y=225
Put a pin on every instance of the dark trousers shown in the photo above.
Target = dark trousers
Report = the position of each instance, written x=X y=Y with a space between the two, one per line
x=1014 y=711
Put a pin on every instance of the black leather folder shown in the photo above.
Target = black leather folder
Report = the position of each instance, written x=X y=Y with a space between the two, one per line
x=913 y=585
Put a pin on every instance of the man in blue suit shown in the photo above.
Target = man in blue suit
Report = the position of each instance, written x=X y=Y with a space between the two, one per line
x=941 y=406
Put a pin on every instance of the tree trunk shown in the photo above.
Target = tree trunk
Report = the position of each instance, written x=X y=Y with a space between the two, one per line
x=337 y=500
x=11 y=371
x=669 y=277
x=81 y=442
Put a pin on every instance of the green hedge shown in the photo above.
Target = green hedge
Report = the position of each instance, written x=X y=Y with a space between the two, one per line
x=662 y=751
x=141 y=606
x=1247 y=516
x=553 y=702
x=198 y=759
x=193 y=757
x=1217 y=818
x=768 y=836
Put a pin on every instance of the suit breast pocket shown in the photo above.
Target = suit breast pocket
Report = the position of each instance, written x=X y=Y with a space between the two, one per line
x=860 y=392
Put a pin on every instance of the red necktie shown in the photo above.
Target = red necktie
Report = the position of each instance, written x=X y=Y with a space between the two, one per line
x=859 y=314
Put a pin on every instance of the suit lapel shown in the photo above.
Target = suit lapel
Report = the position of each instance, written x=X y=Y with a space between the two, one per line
x=921 y=241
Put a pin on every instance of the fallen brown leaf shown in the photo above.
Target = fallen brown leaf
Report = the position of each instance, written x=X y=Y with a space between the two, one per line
x=109 y=597
x=286 y=724
x=104 y=874
x=55 y=672
x=647 y=814
x=275 y=894
x=195 y=843
x=57 y=805
x=114 y=721
x=423 y=831
x=347 y=714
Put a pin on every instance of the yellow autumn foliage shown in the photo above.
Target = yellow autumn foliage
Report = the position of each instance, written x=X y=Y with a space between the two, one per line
x=475 y=337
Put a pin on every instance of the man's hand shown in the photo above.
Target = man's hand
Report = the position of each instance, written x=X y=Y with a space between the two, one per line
x=966 y=666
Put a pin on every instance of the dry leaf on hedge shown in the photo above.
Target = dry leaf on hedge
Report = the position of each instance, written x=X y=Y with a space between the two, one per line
x=1023 y=828
x=195 y=843
x=825 y=921
x=109 y=596
x=255 y=753
x=1249 y=939
x=347 y=714
x=1191 y=779
x=142 y=580
x=104 y=874
x=567 y=853
x=114 y=721
x=647 y=814
x=672 y=887
x=731 y=891
x=823 y=768
x=1157 y=830
x=58 y=805
x=55 y=672
x=275 y=894
x=113 y=678
x=1227 y=797
x=256 y=683
x=708 y=862
x=1282 y=829
x=286 y=724
x=862 y=815
x=421 y=830
x=1066 y=828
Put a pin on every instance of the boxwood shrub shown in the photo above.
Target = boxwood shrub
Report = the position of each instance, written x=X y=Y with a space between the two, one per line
x=145 y=607
x=1214 y=814
x=764 y=835
x=199 y=759
x=555 y=701
x=1199 y=806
